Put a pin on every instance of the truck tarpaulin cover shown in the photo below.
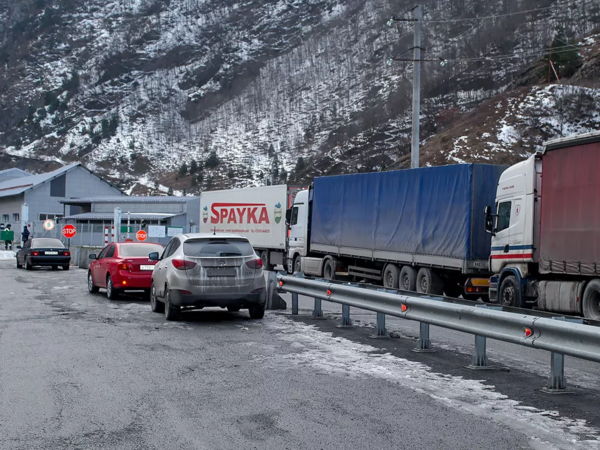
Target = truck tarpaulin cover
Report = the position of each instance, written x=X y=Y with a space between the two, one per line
x=435 y=211
x=570 y=213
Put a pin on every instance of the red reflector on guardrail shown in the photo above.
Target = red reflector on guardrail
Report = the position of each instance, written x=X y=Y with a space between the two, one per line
x=528 y=332
x=403 y=307
x=329 y=293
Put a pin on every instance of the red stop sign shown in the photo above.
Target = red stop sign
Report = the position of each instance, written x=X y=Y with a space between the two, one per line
x=69 y=231
x=141 y=235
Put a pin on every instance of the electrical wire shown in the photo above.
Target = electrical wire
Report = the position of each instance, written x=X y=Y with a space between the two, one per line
x=469 y=19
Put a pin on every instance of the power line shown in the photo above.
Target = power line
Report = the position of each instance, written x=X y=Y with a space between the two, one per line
x=469 y=19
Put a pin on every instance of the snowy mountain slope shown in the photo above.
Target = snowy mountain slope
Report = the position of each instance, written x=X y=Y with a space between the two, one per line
x=134 y=88
x=511 y=127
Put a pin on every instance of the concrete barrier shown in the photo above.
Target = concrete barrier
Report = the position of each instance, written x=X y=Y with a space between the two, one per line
x=80 y=255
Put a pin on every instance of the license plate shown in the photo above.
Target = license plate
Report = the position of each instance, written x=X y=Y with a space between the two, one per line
x=221 y=272
x=146 y=267
x=51 y=253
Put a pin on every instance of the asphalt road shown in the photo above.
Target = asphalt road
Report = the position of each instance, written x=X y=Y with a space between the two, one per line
x=80 y=372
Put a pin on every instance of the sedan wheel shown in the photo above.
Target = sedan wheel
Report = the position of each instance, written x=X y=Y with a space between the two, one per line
x=28 y=265
x=91 y=287
x=155 y=304
x=111 y=292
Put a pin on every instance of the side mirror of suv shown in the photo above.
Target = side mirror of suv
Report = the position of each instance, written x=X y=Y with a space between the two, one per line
x=153 y=256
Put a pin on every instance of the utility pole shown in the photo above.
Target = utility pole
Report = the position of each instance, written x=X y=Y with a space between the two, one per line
x=418 y=15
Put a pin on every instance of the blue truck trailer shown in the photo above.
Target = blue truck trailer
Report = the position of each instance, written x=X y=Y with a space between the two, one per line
x=417 y=230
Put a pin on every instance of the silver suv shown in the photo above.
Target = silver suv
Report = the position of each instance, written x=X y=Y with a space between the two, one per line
x=202 y=269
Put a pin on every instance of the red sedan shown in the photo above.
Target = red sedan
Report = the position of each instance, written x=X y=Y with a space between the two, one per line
x=122 y=267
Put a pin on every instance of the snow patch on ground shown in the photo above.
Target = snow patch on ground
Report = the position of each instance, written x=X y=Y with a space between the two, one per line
x=7 y=255
x=336 y=355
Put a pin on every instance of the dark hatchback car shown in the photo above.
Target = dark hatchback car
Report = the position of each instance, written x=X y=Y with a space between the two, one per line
x=43 y=252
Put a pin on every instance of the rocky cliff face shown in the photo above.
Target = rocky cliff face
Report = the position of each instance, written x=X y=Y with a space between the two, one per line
x=244 y=91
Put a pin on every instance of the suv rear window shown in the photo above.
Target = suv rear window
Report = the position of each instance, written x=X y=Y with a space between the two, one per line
x=217 y=247
x=139 y=250
x=46 y=243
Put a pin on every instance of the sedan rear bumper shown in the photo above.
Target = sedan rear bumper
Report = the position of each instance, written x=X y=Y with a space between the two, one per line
x=50 y=260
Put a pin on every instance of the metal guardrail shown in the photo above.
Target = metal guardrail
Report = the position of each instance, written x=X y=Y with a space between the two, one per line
x=558 y=335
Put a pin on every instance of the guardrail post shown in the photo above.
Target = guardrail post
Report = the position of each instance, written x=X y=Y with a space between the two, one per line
x=346 y=321
x=557 y=383
x=423 y=342
x=381 y=331
x=480 y=360
x=317 y=312
x=294 y=304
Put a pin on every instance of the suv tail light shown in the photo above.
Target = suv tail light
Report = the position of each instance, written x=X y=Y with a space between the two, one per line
x=255 y=264
x=181 y=264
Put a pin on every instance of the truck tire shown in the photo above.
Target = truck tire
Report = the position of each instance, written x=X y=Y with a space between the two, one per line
x=408 y=279
x=391 y=276
x=428 y=282
x=453 y=289
x=329 y=269
x=509 y=293
x=297 y=267
x=591 y=300
x=264 y=256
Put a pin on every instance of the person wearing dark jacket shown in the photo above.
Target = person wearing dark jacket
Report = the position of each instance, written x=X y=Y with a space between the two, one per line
x=25 y=234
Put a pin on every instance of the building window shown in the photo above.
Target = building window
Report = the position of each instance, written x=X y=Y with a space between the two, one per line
x=50 y=216
x=58 y=187
x=5 y=218
x=16 y=217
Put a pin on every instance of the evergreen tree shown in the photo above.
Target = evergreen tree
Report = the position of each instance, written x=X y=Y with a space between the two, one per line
x=170 y=191
x=300 y=165
x=193 y=167
x=183 y=170
x=564 y=56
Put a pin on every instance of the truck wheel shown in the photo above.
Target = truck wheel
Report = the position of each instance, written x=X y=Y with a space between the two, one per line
x=297 y=267
x=453 y=289
x=428 y=282
x=591 y=300
x=510 y=294
x=391 y=276
x=408 y=279
x=265 y=260
x=329 y=269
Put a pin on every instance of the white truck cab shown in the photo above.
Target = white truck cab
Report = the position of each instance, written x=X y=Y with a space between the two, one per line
x=298 y=236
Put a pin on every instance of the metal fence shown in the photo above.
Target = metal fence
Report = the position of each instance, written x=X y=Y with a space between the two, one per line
x=557 y=335
x=88 y=234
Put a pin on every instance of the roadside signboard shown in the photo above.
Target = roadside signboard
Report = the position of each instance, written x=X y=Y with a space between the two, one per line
x=69 y=231
x=156 y=231
x=141 y=235
x=48 y=225
x=174 y=231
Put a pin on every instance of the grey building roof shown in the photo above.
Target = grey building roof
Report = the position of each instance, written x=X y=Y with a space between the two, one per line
x=19 y=185
x=10 y=174
x=111 y=216
x=127 y=199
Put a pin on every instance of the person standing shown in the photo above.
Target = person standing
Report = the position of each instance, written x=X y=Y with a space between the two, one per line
x=25 y=234
x=8 y=233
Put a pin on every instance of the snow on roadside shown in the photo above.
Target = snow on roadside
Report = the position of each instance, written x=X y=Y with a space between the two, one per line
x=7 y=254
x=336 y=355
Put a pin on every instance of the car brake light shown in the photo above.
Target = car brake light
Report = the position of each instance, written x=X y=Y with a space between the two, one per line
x=255 y=264
x=181 y=264
x=122 y=266
x=185 y=292
x=35 y=253
x=67 y=253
